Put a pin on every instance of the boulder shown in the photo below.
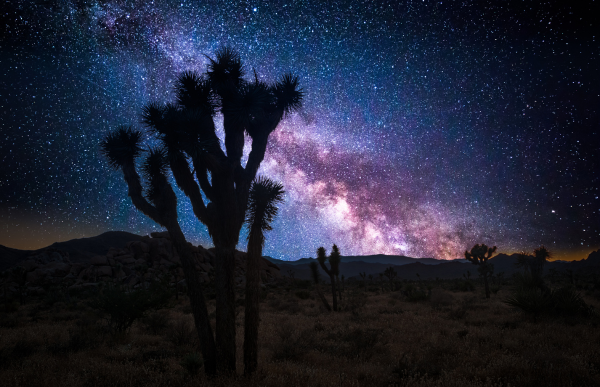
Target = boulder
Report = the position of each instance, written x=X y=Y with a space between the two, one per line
x=99 y=260
x=127 y=259
x=57 y=268
x=36 y=276
x=139 y=248
x=163 y=234
x=76 y=268
x=104 y=271
x=29 y=265
x=35 y=290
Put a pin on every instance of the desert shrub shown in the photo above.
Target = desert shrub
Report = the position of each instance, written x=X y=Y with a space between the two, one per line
x=413 y=368
x=415 y=294
x=23 y=348
x=302 y=284
x=86 y=334
x=530 y=300
x=289 y=305
x=440 y=298
x=123 y=307
x=192 y=362
x=11 y=306
x=363 y=343
x=355 y=301
x=8 y=320
x=292 y=344
x=156 y=321
x=495 y=288
x=462 y=285
x=457 y=313
x=303 y=294
x=180 y=332
x=565 y=301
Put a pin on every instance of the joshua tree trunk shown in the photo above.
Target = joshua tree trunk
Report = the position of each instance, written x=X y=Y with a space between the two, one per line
x=333 y=293
x=322 y=297
x=251 y=319
x=487 y=285
x=225 y=313
x=197 y=301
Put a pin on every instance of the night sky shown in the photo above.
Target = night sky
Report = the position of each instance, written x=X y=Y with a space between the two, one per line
x=427 y=127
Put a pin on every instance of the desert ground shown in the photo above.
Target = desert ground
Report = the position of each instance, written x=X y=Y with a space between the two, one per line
x=423 y=333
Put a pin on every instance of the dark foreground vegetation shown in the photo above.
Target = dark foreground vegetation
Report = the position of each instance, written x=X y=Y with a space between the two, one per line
x=386 y=332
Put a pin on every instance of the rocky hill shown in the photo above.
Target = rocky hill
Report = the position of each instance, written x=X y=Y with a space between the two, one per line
x=139 y=260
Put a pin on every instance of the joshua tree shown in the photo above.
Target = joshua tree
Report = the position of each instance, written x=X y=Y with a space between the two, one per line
x=363 y=275
x=334 y=261
x=390 y=273
x=534 y=263
x=203 y=170
x=479 y=255
x=264 y=196
x=316 y=276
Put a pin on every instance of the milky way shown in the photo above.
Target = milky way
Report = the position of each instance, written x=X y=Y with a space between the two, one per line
x=427 y=126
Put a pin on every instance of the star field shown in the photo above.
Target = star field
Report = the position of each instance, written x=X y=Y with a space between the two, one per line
x=427 y=127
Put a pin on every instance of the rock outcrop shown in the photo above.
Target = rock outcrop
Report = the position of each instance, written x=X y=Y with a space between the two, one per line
x=150 y=258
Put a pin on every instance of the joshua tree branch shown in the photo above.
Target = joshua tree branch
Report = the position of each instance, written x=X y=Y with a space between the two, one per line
x=202 y=176
x=135 y=193
x=185 y=181
x=257 y=154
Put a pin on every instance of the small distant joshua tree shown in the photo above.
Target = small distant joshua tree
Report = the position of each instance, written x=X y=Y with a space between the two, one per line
x=316 y=276
x=479 y=255
x=390 y=273
x=534 y=263
x=334 y=261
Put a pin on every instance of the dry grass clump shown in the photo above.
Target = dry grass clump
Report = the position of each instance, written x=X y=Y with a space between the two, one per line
x=453 y=338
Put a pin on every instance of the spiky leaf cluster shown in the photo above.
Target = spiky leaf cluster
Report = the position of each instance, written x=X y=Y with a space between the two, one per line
x=287 y=94
x=121 y=146
x=226 y=72
x=193 y=92
x=154 y=170
x=264 y=196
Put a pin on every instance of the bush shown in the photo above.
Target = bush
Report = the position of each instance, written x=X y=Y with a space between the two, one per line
x=565 y=302
x=441 y=298
x=415 y=294
x=8 y=320
x=181 y=333
x=461 y=285
x=192 y=363
x=303 y=294
x=155 y=322
x=123 y=308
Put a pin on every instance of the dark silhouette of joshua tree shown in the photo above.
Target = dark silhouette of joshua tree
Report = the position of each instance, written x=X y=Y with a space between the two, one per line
x=334 y=261
x=479 y=255
x=262 y=208
x=190 y=148
x=390 y=273
x=316 y=276
x=534 y=263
